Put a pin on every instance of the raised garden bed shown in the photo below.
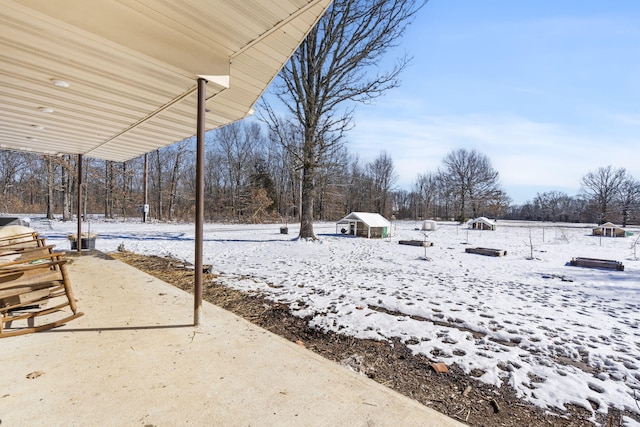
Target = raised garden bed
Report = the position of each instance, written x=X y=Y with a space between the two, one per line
x=416 y=243
x=597 y=263
x=486 y=251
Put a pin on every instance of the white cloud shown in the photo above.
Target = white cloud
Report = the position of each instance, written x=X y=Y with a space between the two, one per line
x=627 y=119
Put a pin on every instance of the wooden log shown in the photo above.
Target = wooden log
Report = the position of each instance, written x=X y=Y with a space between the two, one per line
x=486 y=251
x=416 y=243
x=597 y=263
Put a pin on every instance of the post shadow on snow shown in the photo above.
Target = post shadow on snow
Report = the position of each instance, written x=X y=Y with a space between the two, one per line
x=110 y=236
x=251 y=240
x=161 y=237
x=184 y=238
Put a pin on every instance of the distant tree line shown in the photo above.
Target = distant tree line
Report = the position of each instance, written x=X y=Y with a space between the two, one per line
x=466 y=186
x=250 y=176
x=607 y=194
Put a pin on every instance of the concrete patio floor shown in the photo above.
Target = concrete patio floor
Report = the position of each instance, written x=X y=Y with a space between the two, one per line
x=134 y=359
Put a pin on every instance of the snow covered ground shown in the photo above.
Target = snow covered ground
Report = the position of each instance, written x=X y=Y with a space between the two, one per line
x=558 y=334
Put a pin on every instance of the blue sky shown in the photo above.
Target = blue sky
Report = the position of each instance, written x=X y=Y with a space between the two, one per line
x=547 y=90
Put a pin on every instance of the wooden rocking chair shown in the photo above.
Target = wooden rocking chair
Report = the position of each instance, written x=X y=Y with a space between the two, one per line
x=29 y=279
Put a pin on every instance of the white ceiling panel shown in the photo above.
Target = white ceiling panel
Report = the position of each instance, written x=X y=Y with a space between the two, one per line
x=132 y=67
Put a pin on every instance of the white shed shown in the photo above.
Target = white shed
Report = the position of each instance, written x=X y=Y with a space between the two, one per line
x=364 y=224
x=482 y=223
x=609 y=229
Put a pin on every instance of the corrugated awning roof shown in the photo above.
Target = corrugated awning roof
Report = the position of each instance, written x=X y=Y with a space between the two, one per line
x=131 y=67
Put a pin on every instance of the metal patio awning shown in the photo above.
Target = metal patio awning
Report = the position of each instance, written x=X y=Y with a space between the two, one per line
x=114 y=79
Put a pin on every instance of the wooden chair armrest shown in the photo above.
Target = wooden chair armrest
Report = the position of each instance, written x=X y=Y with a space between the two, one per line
x=37 y=242
x=10 y=250
x=29 y=263
x=33 y=235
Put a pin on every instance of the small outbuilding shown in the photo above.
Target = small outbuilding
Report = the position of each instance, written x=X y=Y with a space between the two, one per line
x=482 y=223
x=364 y=224
x=429 y=225
x=609 y=229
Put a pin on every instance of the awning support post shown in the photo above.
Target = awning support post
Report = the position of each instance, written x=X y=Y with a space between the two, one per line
x=145 y=197
x=79 y=205
x=197 y=294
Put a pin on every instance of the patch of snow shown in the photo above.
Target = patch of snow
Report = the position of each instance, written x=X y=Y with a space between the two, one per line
x=557 y=334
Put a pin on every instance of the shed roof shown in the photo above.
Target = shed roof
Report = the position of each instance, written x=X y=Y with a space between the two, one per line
x=484 y=220
x=368 y=218
x=608 y=225
x=131 y=68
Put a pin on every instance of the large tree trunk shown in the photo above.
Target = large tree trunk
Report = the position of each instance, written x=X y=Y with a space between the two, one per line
x=308 y=195
x=108 y=189
x=461 y=216
x=309 y=170
x=173 y=184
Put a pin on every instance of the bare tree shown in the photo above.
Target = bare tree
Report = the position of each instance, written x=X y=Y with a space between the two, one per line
x=86 y=167
x=68 y=182
x=550 y=204
x=628 y=198
x=353 y=181
x=327 y=71
x=602 y=187
x=157 y=183
x=213 y=186
x=124 y=187
x=11 y=164
x=496 y=203
x=383 y=176
x=426 y=187
x=331 y=183
x=402 y=204
x=257 y=203
x=48 y=183
x=50 y=168
x=282 y=169
x=176 y=154
x=133 y=186
x=109 y=189
x=471 y=178
x=237 y=144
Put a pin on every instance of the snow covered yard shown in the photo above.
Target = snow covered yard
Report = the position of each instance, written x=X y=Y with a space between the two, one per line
x=558 y=334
